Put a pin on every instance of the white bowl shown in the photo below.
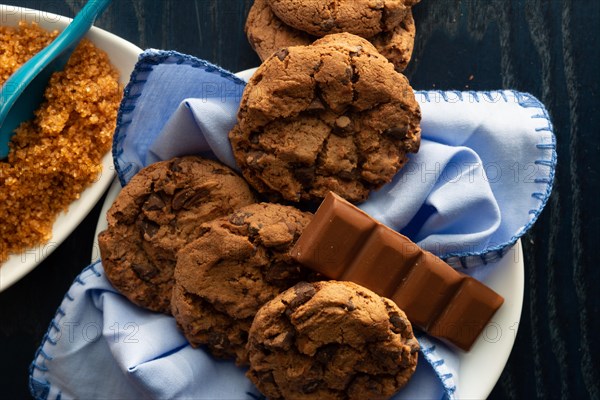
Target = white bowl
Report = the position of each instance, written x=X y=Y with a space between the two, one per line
x=123 y=55
x=481 y=367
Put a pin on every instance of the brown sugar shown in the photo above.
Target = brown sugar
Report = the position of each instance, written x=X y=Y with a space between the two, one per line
x=58 y=154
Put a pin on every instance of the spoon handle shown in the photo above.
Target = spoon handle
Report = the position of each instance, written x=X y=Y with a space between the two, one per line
x=23 y=91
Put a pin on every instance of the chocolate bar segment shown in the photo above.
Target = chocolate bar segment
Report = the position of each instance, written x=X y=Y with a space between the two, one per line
x=331 y=242
x=384 y=260
x=467 y=314
x=426 y=290
x=343 y=242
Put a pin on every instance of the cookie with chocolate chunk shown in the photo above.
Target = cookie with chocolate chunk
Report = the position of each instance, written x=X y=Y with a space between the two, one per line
x=267 y=34
x=332 y=116
x=365 y=18
x=158 y=212
x=237 y=264
x=331 y=340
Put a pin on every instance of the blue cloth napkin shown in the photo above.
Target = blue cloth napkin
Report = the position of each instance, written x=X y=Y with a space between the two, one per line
x=482 y=176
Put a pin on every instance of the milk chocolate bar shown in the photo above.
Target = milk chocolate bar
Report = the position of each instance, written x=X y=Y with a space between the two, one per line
x=344 y=243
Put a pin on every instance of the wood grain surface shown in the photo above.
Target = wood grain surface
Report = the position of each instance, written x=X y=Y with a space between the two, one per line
x=549 y=48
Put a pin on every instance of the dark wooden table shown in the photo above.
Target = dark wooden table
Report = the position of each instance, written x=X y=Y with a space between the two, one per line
x=549 y=48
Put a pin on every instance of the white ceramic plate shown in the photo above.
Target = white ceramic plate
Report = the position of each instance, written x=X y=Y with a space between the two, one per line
x=123 y=56
x=481 y=367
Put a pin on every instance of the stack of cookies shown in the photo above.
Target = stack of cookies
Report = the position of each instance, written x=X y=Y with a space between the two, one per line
x=192 y=238
x=387 y=24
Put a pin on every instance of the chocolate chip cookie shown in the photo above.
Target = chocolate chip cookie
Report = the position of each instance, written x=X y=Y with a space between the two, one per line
x=331 y=340
x=237 y=264
x=160 y=210
x=332 y=116
x=365 y=18
x=267 y=33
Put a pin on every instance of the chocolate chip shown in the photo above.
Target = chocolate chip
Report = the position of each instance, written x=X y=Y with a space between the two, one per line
x=350 y=305
x=222 y=171
x=153 y=203
x=174 y=166
x=292 y=228
x=253 y=231
x=326 y=353
x=197 y=197
x=315 y=105
x=303 y=292
x=343 y=126
x=348 y=175
x=282 y=54
x=187 y=198
x=254 y=137
x=355 y=76
x=253 y=160
x=282 y=340
x=239 y=218
x=140 y=200
x=145 y=271
x=281 y=274
x=398 y=323
x=181 y=197
x=148 y=228
x=305 y=175
x=397 y=132
x=317 y=66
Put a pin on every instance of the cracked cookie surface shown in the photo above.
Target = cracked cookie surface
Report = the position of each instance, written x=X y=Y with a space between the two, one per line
x=237 y=264
x=365 y=18
x=158 y=212
x=331 y=340
x=267 y=34
x=334 y=115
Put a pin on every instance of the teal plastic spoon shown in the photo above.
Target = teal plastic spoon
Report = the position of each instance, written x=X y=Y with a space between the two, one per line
x=23 y=92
